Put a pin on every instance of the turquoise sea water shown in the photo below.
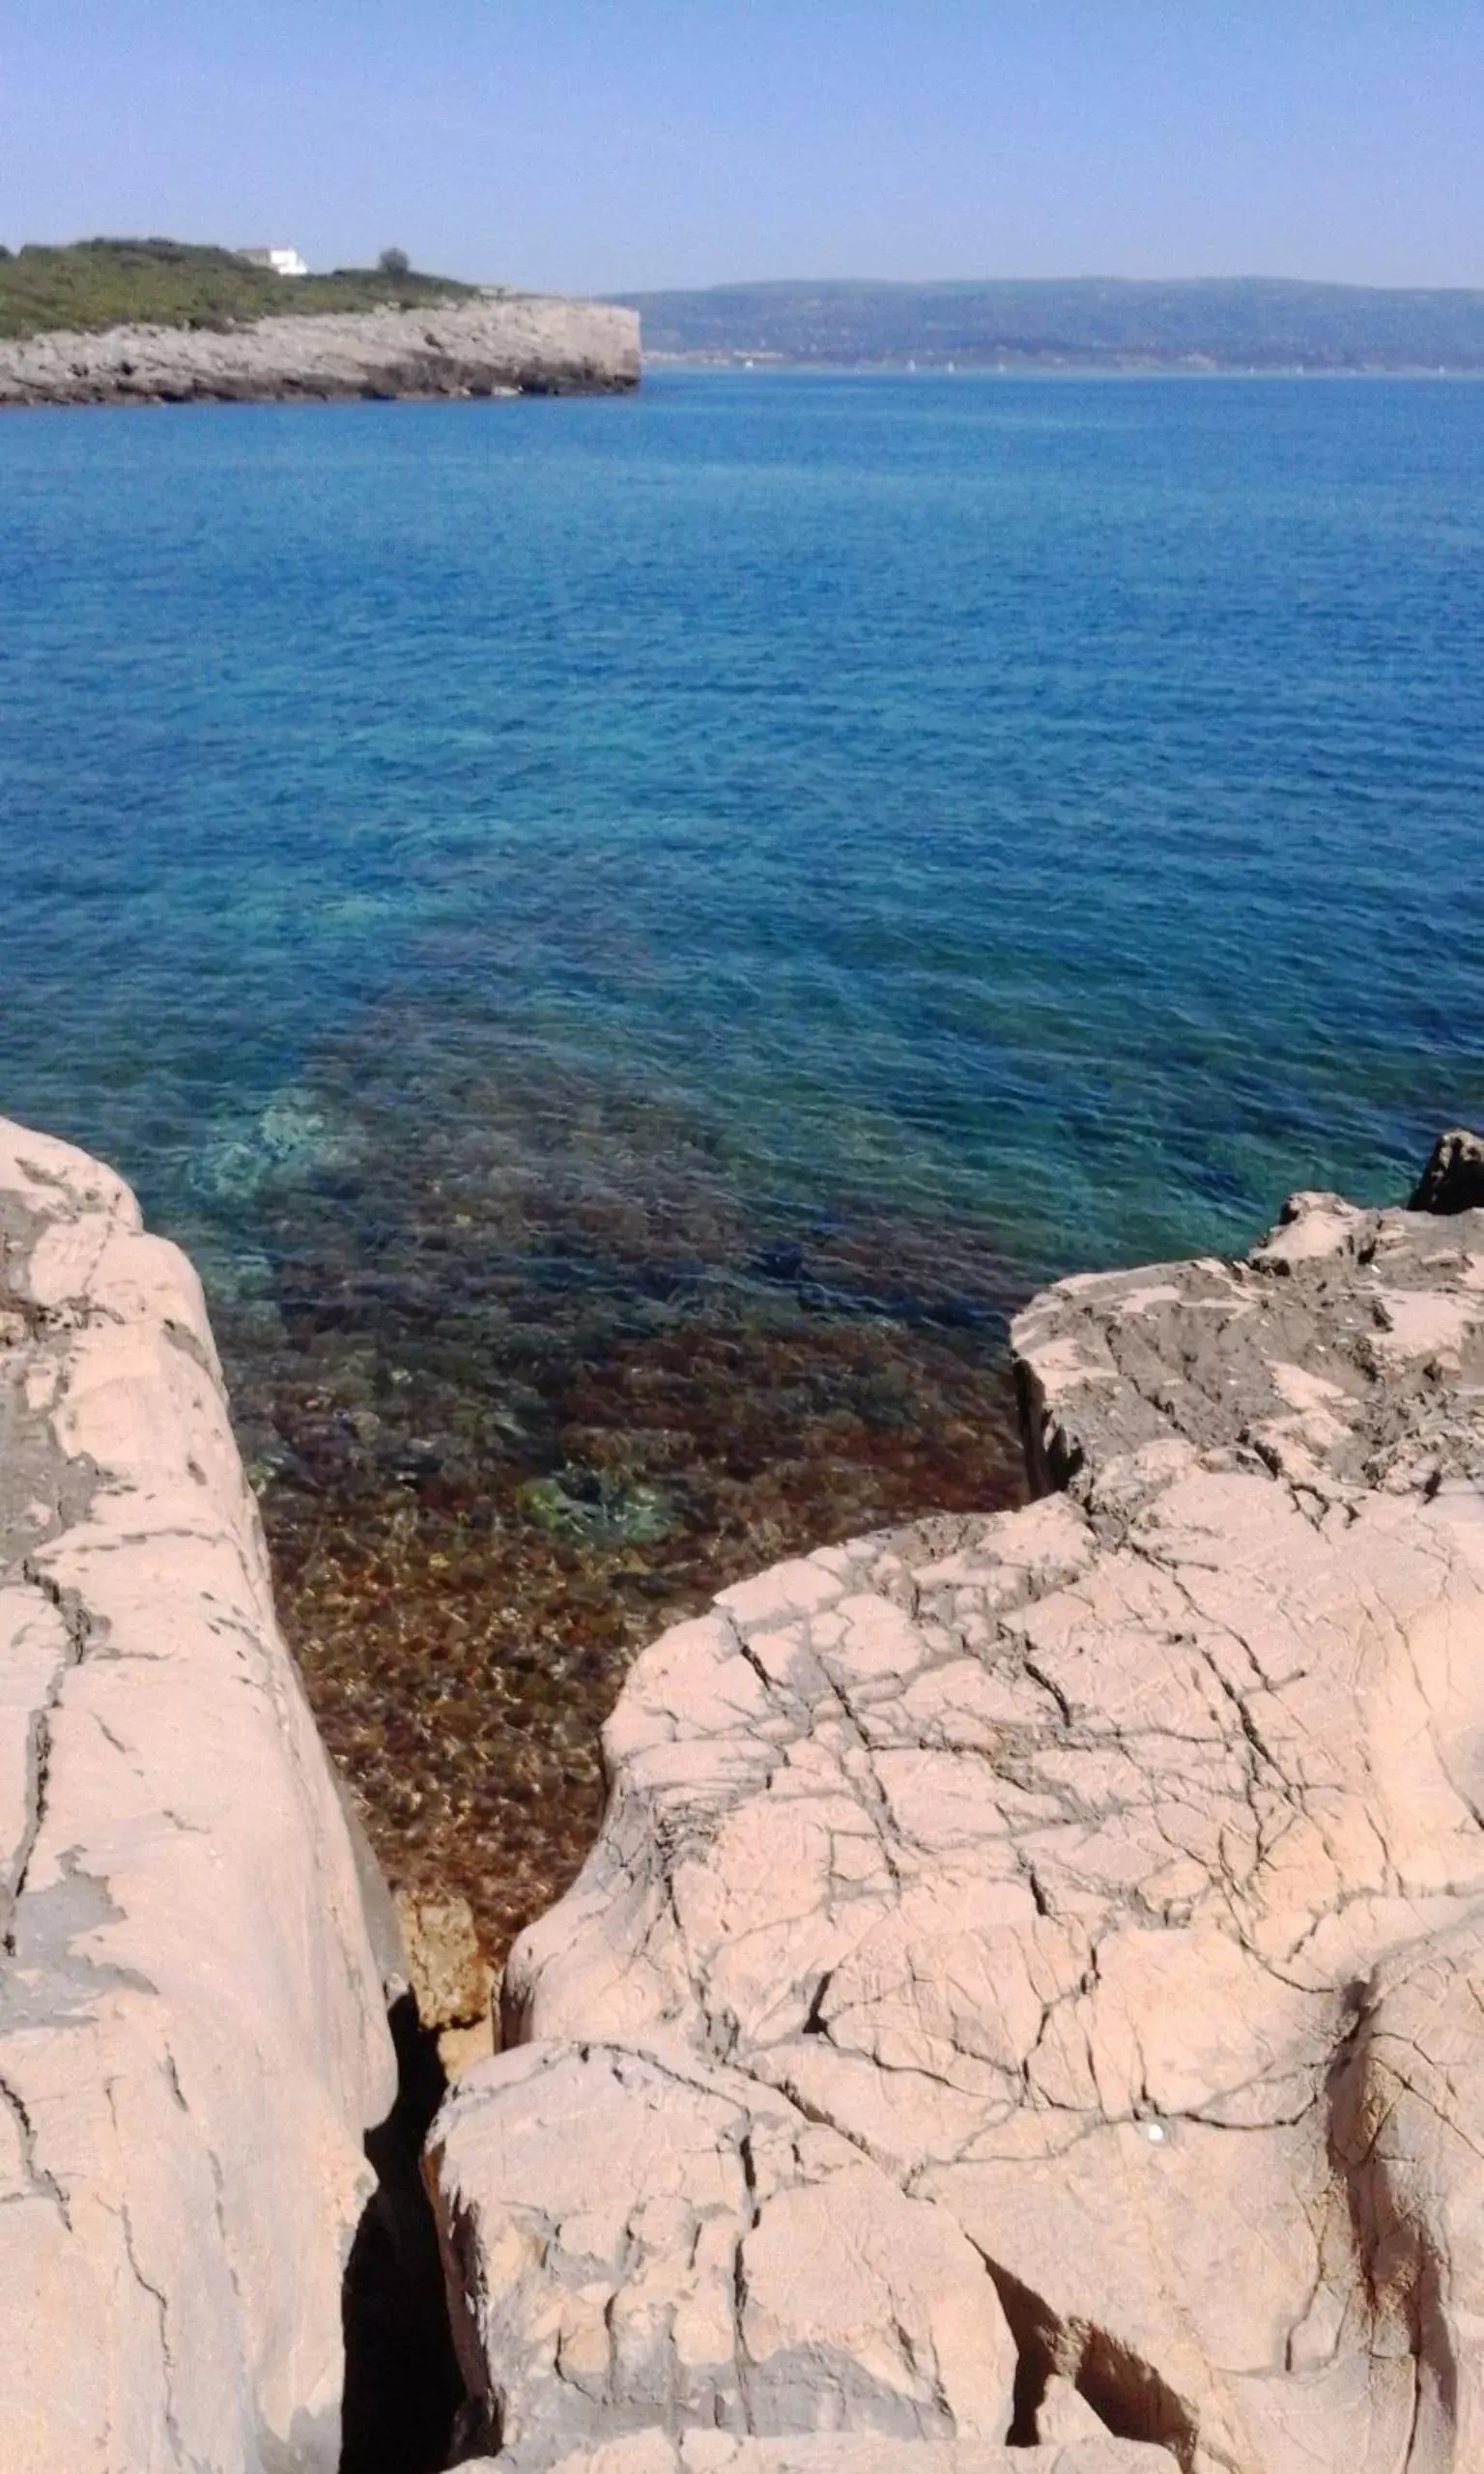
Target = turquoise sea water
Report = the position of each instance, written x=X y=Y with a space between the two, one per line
x=1052 y=800
x=1059 y=802
x=776 y=866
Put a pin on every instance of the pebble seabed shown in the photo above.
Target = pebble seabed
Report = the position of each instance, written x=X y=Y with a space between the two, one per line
x=520 y=1391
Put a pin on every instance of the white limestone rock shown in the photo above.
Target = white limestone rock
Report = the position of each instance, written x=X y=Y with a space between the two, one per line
x=193 y=2029
x=638 y=2239
x=1108 y=1876
x=654 y=2452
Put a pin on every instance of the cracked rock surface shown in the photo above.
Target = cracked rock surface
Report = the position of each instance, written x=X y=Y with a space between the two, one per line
x=523 y=343
x=1026 y=2004
x=193 y=2029
x=699 y=2452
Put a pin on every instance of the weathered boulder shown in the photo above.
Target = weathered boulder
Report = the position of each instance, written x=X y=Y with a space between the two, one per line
x=518 y=343
x=193 y=2029
x=1106 y=1877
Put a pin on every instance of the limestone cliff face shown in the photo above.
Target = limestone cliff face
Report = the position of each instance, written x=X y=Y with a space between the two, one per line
x=193 y=2026
x=513 y=344
x=1027 y=1994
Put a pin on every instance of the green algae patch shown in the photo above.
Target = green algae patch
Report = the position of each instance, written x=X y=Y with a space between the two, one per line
x=592 y=1507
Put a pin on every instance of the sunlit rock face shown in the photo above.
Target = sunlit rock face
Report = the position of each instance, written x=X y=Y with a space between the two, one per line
x=701 y=2451
x=1026 y=1995
x=193 y=2026
x=519 y=344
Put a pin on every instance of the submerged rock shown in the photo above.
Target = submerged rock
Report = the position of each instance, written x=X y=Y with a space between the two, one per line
x=290 y=1140
x=193 y=2026
x=1066 y=1926
x=596 y=1508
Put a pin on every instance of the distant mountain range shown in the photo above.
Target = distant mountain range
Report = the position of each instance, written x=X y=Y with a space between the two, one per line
x=1244 y=322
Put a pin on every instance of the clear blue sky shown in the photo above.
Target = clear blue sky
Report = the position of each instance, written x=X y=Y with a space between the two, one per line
x=597 y=145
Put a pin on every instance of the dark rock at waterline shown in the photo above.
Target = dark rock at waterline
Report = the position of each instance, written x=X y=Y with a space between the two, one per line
x=1453 y=1179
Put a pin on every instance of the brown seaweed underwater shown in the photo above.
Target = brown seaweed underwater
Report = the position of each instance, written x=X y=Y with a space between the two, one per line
x=524 y=1374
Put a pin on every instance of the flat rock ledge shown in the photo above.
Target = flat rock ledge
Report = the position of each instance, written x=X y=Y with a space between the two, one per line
x=1025 y=2008
x=517 y=344
x=701 y=2451
x=193 y=2026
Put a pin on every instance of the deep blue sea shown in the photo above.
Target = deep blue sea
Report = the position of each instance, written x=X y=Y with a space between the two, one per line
x=558 y=903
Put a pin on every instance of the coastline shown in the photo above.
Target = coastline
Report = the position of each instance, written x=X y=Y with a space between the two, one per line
x=763 y=365
x=513 y=345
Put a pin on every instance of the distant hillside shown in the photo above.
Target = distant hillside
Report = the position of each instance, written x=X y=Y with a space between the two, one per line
x=95 y=284
x=1247 y=323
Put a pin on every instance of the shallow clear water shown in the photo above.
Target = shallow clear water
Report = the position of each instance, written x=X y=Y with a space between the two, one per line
x=623 y=934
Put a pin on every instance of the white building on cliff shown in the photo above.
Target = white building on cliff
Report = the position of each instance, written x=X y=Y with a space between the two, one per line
x=278 y=261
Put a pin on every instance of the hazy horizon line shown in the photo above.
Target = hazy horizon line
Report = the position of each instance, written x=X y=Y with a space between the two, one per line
x=759 y=283
x=969 y=283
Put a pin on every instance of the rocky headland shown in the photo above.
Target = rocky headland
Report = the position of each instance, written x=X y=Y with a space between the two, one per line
x=1022 y=2009
x=513 y=344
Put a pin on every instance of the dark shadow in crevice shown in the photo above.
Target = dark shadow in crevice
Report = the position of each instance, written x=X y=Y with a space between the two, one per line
x=1120 y=2388
x=1035 y=2333
x=1132 y=2399
x=1394 y=2245
x=403 y=2395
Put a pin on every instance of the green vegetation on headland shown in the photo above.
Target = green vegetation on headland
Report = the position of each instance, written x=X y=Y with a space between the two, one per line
x=1248 y=323
x=93 y=284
